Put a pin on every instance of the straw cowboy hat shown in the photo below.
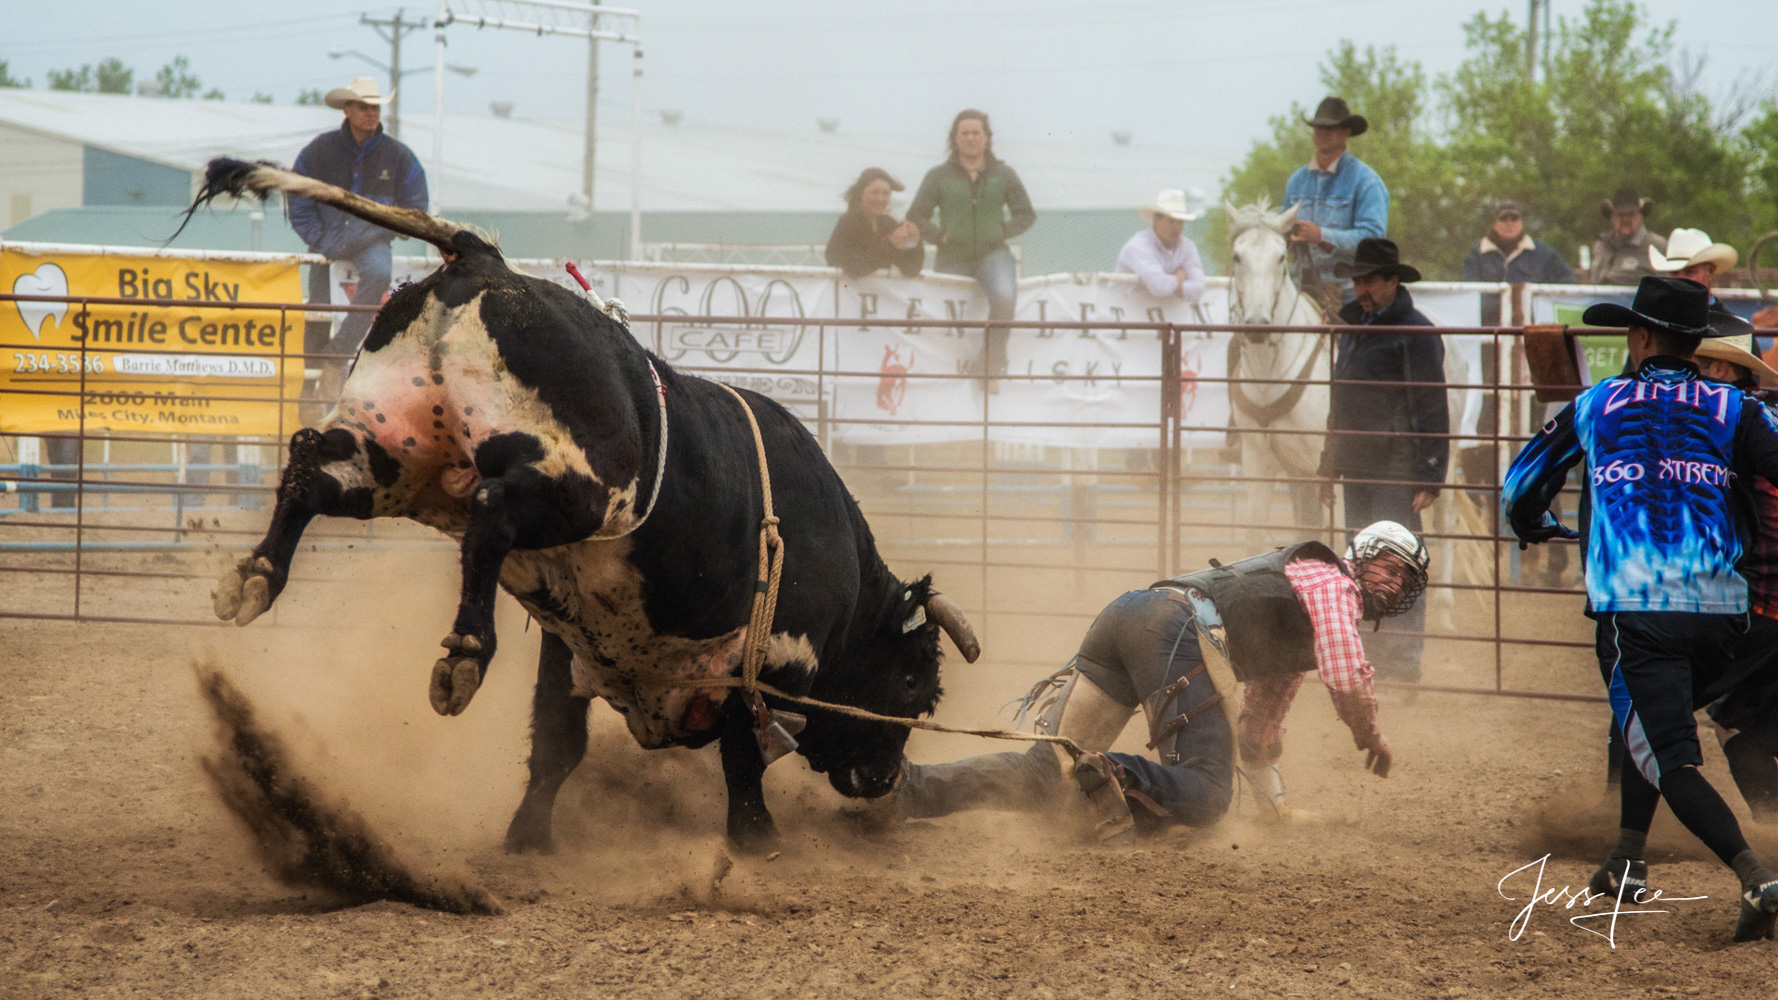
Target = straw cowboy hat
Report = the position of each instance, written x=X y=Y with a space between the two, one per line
x=1625 y=200
x=1687 y=247
x=363 y=90
x=1376 y=256
x=1172 y=204
x=1736 y=348
x=1333 y=113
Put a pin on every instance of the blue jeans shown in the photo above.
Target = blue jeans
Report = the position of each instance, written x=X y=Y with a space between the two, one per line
x=1139 y=645
x=998 y=276
x=1394 y=655
x=375 y=264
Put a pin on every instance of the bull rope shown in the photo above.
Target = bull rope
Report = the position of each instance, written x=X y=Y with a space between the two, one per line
x=771 y=565
x=614 y=309
x=765 y=608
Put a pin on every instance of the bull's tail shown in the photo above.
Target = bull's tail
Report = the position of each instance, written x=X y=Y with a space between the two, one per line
x=226 y=175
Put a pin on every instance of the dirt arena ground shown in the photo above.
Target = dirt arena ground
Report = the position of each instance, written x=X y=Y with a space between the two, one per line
x=122 y=875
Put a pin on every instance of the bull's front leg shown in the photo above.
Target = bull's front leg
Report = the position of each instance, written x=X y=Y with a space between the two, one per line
x=750 y=826
x=327 y=474
x=517 y=505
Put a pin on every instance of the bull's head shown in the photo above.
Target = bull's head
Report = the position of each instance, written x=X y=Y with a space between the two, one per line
x=890 y=667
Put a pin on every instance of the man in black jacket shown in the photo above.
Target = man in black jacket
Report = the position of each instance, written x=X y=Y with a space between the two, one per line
x=361 y=158
x=1507 y=253
x=1389 y=443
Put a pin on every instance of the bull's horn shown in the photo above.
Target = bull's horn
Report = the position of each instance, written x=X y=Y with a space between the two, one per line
x=947 y=615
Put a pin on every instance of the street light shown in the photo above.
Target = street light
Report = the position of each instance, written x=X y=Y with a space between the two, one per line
x=395 y=76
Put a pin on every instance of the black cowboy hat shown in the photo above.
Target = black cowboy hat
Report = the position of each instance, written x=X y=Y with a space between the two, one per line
x=1333 y=113
x=1376 y=256
x=1625 y=200
x=1676 y=305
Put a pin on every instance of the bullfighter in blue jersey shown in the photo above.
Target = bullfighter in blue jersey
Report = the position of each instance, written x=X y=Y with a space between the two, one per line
x=1662 y=446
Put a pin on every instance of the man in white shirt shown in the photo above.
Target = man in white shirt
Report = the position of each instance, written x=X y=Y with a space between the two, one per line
x=1161 y=256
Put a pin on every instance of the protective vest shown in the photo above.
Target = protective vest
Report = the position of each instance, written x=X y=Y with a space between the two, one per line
x=1268 y=631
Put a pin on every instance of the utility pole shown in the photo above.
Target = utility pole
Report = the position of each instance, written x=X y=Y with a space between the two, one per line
x=397 y=27
x=1531 y=41
x=592 y=114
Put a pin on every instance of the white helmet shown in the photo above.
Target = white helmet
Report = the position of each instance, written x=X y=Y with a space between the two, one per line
x=1394 y=539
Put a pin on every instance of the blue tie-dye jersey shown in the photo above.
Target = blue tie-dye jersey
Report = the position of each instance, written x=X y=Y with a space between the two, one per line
x=1661 y=447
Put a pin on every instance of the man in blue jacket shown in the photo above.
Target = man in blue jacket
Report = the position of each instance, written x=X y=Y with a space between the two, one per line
x=1340 y=202
x=359 y=157
x=1663 y=447
x=1388 y=442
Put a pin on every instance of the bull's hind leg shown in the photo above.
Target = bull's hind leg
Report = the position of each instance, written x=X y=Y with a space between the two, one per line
x=328 y=474
x=519 y=506
x=558 y=743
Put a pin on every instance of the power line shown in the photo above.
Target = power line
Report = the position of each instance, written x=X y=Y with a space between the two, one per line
x=89 y=41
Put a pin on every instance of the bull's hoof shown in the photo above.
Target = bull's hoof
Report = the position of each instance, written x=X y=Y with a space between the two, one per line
x=457 y=676
x=245 y=592
x=756 y=838
x=527 y=837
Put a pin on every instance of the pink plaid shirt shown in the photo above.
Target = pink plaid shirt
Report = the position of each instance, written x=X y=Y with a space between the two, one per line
x=1332 y=601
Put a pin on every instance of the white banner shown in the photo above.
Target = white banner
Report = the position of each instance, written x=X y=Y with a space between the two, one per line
x=890 y=384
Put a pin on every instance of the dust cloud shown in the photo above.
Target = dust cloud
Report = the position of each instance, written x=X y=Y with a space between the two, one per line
x=305 y=836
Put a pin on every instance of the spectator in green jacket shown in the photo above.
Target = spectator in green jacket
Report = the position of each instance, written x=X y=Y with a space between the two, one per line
x=981 y=204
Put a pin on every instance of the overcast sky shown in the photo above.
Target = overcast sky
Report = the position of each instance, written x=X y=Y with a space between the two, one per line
x=1202 y=75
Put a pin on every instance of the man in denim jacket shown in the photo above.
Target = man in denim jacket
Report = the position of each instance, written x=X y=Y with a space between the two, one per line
x=361 y=158
x=1341 y=199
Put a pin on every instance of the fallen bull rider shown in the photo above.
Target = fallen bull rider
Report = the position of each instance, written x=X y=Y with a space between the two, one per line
x=1177 y=650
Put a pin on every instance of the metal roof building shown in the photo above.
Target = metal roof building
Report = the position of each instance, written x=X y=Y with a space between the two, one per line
x=98 y=153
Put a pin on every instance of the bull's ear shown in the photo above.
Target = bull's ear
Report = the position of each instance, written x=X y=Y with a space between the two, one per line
x=912 y=605
x=915 y=620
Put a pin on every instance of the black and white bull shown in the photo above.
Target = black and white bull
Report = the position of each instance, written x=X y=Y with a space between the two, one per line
x=510 y=413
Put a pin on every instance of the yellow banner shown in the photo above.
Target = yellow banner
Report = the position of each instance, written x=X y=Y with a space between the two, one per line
x=190 y=366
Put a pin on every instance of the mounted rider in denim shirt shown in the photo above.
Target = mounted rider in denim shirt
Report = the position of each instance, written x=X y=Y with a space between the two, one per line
x=1342 y=201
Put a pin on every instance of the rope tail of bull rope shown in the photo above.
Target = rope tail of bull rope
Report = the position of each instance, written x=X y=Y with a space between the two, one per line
x=771 y=566
x=765 y=608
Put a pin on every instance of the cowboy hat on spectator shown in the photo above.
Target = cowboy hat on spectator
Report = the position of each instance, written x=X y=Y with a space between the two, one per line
x=1172 y=204
x=364 y=90
x=1333 y=113
x=1625 y=200
x=1688 y=247
x=1376 y=256
x=1736 y=348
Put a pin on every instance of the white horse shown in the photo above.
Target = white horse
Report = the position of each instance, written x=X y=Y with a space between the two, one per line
x=1262 y=293
x=1279 y=418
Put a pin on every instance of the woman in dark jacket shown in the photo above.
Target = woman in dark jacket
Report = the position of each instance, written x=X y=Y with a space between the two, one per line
x=866 y=238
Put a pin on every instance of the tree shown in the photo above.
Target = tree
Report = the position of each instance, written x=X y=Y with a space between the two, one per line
x=1612 y=110
x=1387 y=91
x=261 y=97
x=8 y=80
x=113 y=77
x=71 y=79
x=177 y=80
x=1616 y=105
x=1760 y=142
x=215 y=94
x=309 y=96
